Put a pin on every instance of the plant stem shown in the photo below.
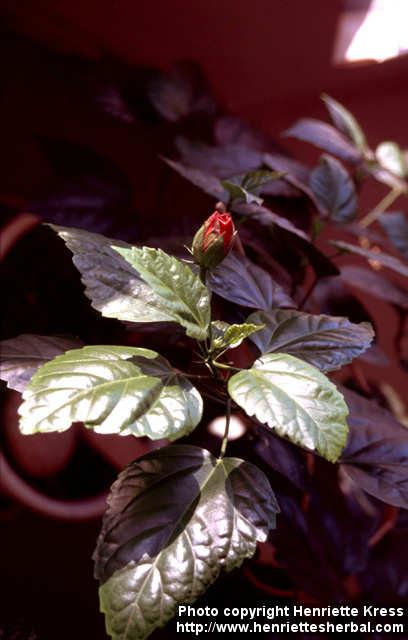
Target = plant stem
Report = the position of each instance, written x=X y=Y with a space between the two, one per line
x=227 y=424
x=203 y=274
x=221 y=365
x=380 y=208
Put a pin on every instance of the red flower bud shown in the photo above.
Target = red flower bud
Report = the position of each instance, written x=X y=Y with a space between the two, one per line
x=213 y=240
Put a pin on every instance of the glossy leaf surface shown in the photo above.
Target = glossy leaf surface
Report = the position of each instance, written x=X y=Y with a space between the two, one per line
x=182 y=294
x=111 y=283
x=208 y=515
x=124 y=390
x=294 y=399
x=327 y=342
x=241 y=281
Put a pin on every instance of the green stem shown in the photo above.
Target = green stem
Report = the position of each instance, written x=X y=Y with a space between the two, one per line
x=380 y=208
x=221 y=365
x=203 y=274
x=227 y=424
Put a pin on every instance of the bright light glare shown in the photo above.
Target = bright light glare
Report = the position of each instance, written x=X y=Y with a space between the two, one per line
x=237 y=427
x=381 y=35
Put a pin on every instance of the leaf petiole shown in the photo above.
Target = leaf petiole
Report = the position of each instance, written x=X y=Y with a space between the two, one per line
x=227 y=424
x=380 y=208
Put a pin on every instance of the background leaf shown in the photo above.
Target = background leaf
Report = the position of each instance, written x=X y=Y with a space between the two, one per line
x=383 y=258
x=327 y=342
x=241 y=281
x=208 y=514
x=391 y=157
x=123 y=390
x=181 y=92
x=296 y=400
x=21 y=356
x=201 y=179
x=86 y=189
x=344 y=120
x=183 y=296
x=296 y=175
x=290 y=234
x=334 y=188
x=222 y=161
x=325 y=137
x=375 y=284
x=395 y=226
x=376 y=455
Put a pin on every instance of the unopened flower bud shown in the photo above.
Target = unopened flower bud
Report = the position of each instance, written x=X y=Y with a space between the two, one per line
x=213 y=240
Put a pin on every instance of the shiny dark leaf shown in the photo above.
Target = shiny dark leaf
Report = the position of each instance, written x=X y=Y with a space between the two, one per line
x=176 y=518
x=241 y=281
x=326 y=342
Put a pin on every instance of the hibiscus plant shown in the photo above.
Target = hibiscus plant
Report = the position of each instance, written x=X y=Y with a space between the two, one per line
x=179 y=515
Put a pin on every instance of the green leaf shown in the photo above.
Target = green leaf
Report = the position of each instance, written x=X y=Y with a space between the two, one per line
x=383 y=258
x=326 y=342
x=123 y=390
x=395 y=225
x=182 y=294
x=113 y=286
x=237 y=192
x=333 y=187
x=239 y=280
x=325 y=137
x=391 y=157
x=175 y=518
x=247 y=187
x=256 y=179
x=296 y=400
x=344 y=120
x=23 y=355
x=229 y=336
